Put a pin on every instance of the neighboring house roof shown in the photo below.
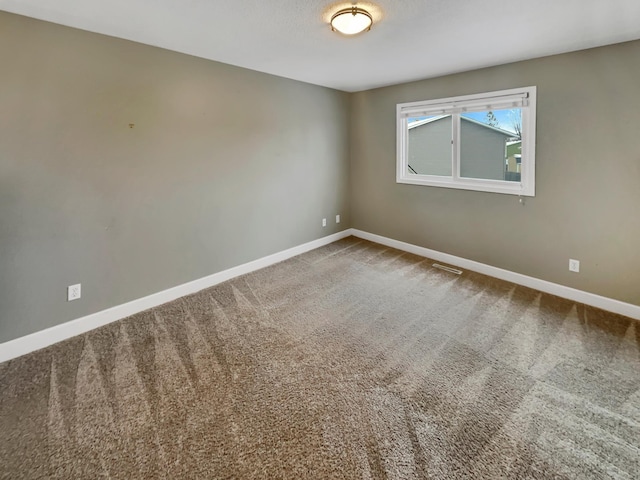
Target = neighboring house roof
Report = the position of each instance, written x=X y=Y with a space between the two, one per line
x=419 y=123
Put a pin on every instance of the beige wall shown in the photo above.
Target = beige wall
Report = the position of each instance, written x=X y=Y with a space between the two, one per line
x=587 y=176
x=223 y=166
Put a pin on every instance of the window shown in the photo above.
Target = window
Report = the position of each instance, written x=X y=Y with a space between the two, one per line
x=482 y=142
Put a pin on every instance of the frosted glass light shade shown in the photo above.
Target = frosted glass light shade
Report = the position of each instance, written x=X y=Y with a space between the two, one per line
x=351 y=21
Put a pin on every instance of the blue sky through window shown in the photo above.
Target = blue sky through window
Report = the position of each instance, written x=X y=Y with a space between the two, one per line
x=504 y=117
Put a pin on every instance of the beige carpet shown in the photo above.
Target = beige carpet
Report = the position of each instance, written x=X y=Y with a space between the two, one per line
x=353 y=361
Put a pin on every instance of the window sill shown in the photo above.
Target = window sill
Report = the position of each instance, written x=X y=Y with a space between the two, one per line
x=493 y=186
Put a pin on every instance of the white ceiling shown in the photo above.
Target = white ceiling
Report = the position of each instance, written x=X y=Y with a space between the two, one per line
x=410 y=39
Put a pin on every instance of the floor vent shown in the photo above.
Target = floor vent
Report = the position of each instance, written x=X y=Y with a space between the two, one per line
x=447 y=269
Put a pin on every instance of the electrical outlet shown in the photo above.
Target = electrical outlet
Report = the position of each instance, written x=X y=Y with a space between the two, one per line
x=74 y=292
x=574 y=265
x=324 y=222
x=337 y=218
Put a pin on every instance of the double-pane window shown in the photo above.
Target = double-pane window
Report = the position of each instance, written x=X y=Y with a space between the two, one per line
x=480 y=142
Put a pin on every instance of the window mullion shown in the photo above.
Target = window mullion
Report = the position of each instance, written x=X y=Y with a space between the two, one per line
x=455 y=146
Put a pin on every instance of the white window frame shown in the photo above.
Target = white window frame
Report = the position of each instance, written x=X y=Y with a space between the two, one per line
x=524 y=98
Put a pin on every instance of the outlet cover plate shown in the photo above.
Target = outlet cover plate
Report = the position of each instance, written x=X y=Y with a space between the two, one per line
x=74 y=292
x=574 y=265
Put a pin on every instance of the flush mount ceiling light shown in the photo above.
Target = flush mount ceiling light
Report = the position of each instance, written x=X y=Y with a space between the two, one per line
x=351 y=21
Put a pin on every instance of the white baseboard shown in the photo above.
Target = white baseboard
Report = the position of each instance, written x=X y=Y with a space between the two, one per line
x=44 y=338
x=579 y=296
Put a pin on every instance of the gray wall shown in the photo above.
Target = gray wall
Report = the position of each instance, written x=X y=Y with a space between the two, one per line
x=223 y=166
x=587 y=175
